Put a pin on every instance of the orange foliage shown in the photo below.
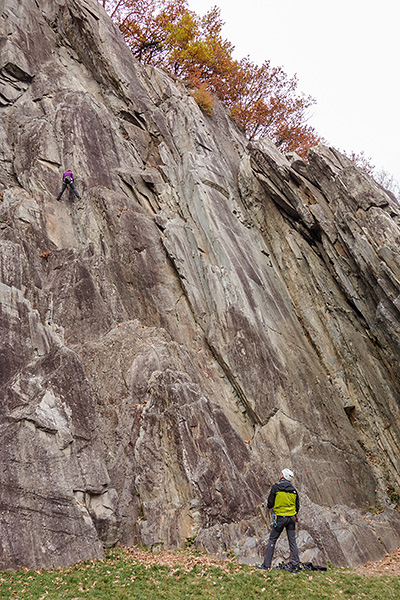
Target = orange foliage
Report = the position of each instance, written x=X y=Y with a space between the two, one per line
x=262 y=99
x=204 y=98
x=266 y=102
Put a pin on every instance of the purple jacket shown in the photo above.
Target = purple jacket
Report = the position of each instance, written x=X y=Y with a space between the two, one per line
x=68 y=174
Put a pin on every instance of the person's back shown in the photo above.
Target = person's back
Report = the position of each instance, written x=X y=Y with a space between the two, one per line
x=284 y=499
x=68 y=175
x=68 y=180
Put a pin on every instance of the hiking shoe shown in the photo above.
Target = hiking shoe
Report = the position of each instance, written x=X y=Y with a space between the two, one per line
x=260 y=566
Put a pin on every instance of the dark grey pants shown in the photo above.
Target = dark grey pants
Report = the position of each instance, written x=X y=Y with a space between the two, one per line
x=64 y=185
x=281 y=523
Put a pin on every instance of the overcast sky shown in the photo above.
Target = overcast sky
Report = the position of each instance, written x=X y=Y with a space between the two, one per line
x=346 y=55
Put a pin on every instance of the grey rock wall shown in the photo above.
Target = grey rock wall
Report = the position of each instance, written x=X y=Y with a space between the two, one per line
x=209 y=313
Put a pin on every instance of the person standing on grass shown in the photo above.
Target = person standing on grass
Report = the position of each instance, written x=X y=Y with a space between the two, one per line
x=284 y=499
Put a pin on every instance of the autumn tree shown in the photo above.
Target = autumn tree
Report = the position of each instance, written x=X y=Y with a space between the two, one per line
x=266 y=102
x=165 y=33
x=261 y=99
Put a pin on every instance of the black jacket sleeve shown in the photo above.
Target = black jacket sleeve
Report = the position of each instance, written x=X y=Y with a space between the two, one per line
x=271 y=497
x=297 y=503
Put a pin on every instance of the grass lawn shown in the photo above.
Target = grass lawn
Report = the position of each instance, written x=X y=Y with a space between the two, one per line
x=127 y=574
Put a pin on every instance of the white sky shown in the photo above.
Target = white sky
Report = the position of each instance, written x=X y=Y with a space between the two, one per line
x=346 y=55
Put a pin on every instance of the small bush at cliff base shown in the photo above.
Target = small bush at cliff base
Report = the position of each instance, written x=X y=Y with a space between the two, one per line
x=129 y=574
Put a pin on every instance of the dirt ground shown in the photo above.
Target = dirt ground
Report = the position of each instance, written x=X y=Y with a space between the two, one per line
x=175 y=559
x=388 y=565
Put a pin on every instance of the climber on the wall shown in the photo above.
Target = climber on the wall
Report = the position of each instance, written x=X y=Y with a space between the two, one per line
x=284 y=499
x=68 y=179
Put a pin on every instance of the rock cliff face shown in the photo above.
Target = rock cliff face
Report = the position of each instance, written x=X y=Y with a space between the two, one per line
x=209 y=313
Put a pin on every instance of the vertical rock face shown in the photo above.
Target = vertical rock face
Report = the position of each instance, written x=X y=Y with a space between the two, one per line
x=209 y=313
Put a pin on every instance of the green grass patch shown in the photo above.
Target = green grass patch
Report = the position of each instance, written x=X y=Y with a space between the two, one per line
x=121 y=576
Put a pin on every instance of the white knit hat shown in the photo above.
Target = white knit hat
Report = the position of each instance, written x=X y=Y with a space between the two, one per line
x=288 y=474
